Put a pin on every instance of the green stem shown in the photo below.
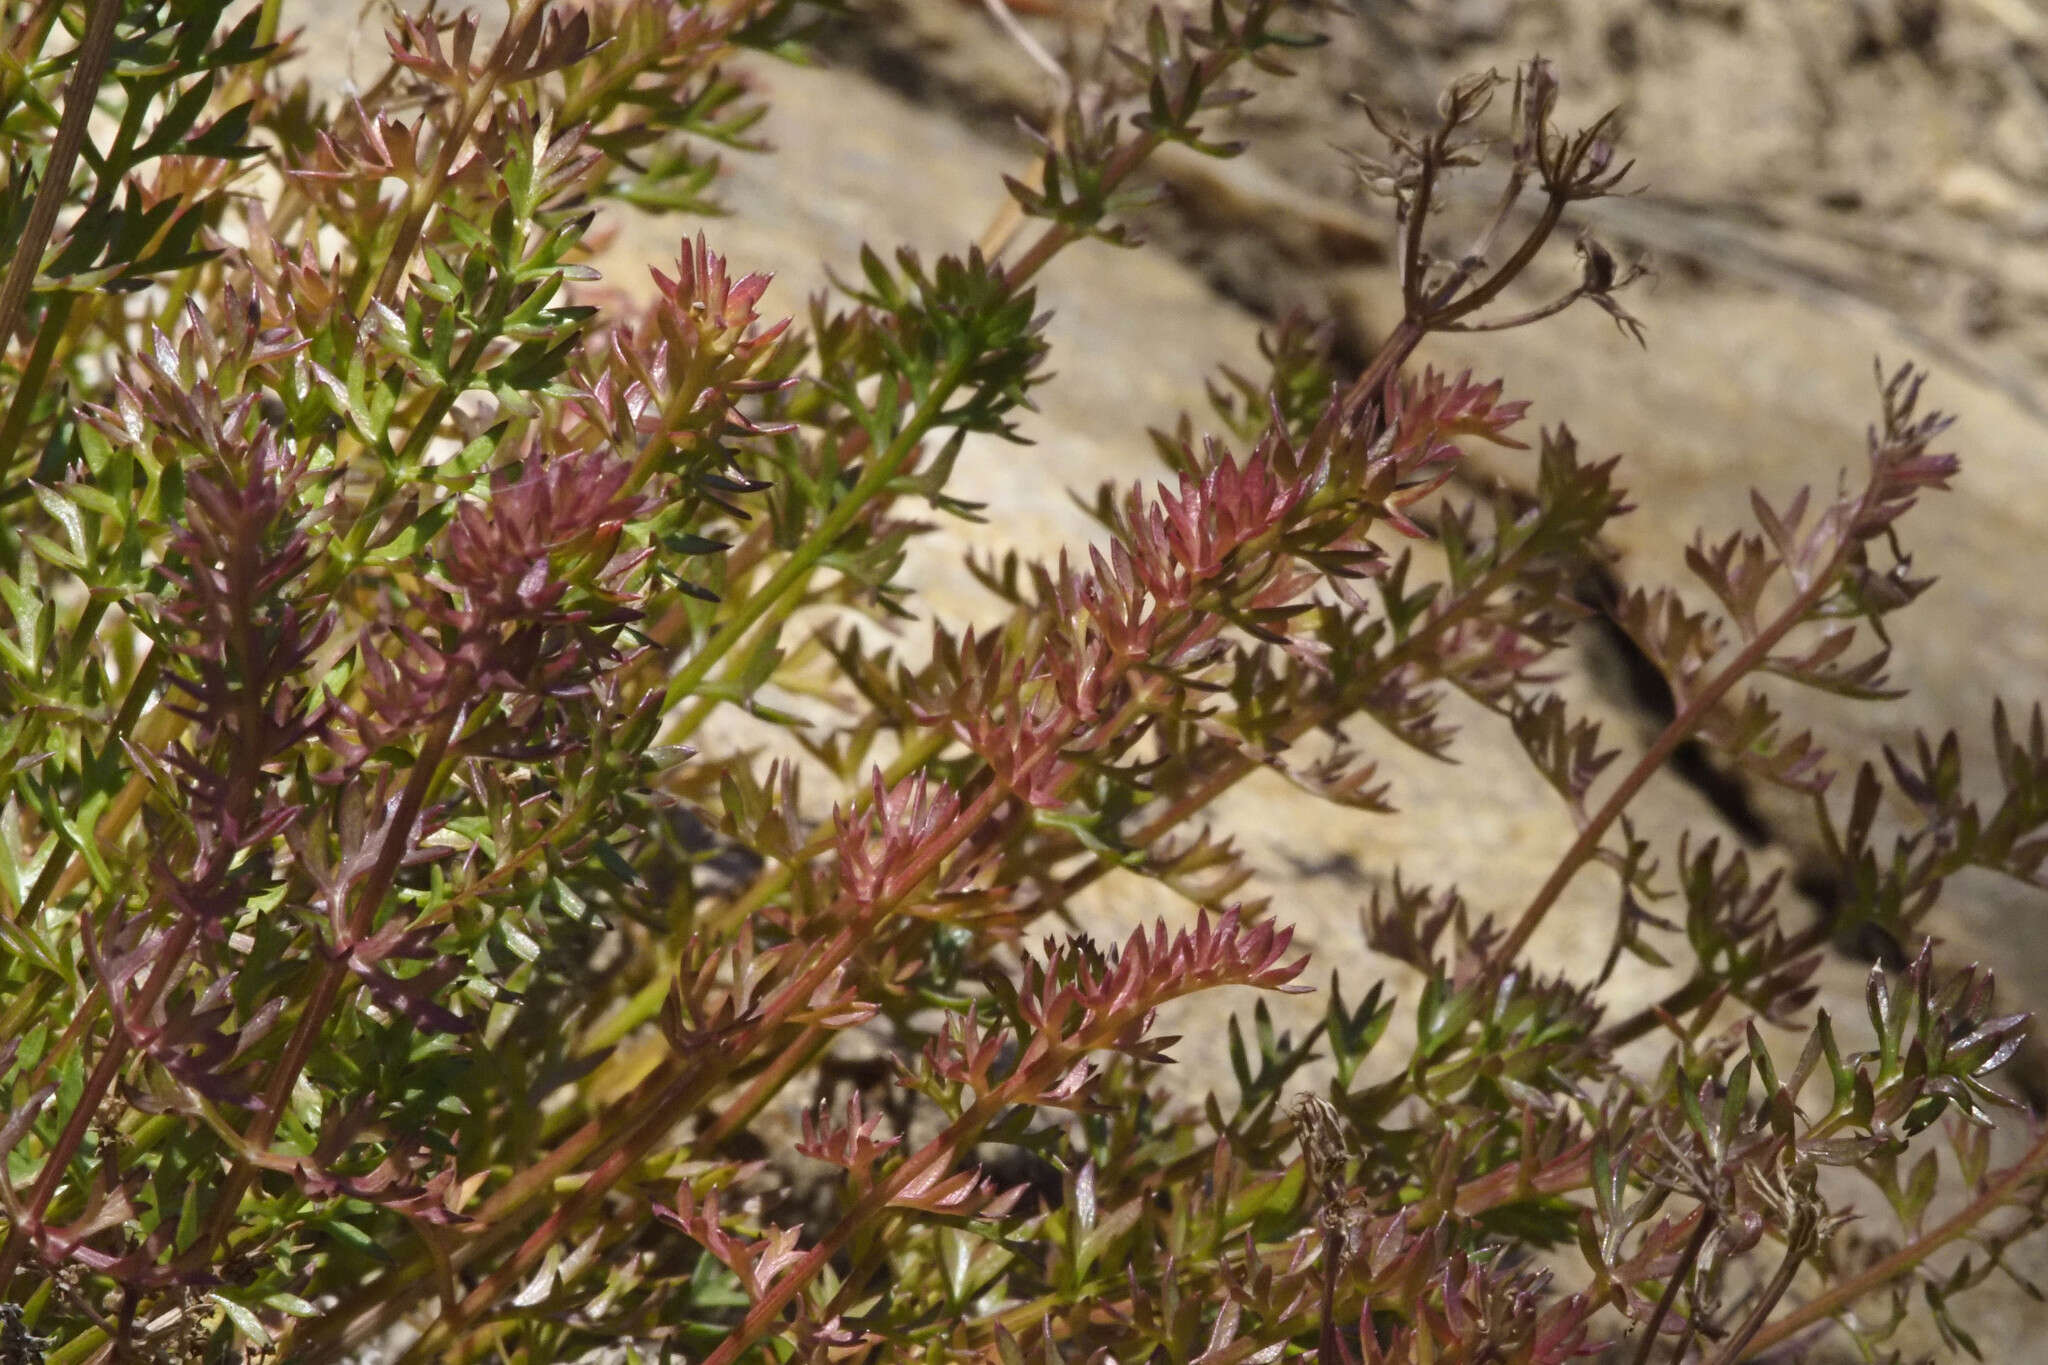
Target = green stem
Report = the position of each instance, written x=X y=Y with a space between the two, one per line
x=791 y=574
x=796 y=569
x=34 y=379
x=78 y=1348
x=615 y=1157
x=62 y=872
x=26 y=41
x=657 y=1104
x=616 y=1141
x=589 y=1140
x=351 y=550
x=779 y=612
x=376 y=1307
x=958 y=1137
x=488 y=329
x=647 y=1001
x=425 y=195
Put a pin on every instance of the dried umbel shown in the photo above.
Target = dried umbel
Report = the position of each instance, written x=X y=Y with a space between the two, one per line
x=401 y=952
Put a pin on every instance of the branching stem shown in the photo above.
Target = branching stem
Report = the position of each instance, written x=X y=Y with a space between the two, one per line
x=1838 y=1297
x=1679 y=1274
x=1689 y=718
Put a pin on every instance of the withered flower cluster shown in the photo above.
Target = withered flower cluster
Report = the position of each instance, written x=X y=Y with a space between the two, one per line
x=404 y=949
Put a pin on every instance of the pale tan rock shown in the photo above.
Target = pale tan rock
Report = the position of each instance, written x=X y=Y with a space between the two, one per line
x=1979 y=191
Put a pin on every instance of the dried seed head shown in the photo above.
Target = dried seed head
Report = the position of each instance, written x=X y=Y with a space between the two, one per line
x=1320 y=1130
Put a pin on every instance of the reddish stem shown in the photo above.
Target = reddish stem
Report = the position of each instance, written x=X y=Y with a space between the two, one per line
x=104 y=1073
x=1689 y=718
x=81 y=92
x=1906 y=1258
x=334 y=976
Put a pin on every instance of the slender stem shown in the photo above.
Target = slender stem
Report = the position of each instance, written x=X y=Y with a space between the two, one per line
x=448 y=1324
x=1568 y=1173
x=1688 y=719
x=64 y=869
x=375 y=1308
x=104 y=1073
x=959 y=1135
x=81 y=93
x=779 y=612
x=757 y=605
x=1484 y=292
x=1534 y=315
x=334 y=975
x=1009 y=219
x=1197 y=794
x=1411 y=240
x=1799 y=1241
x=791 y=573
x=426 y=193
x=645 y=1003
x=796 y=1058
x=615 y=1154
x=459 y=374
x=63 y=872
x=1329 y=1345
x=34 y=378
x=27 y=40
x=797 y=568
x=1671 y=1287
x=82 y=1021
x=1844 y=1293
x=1696 y=991
x=659 y=1114
x=929 y=744
x=1120 y=167
x=1365 y=390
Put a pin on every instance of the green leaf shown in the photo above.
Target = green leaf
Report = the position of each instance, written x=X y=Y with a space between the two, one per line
x=188 y=1216
x=519 y=941
x=356 y=1239
x=246 y=1322
x=50 y=552
x=19 y=941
